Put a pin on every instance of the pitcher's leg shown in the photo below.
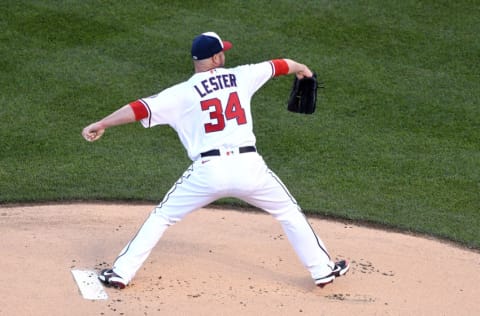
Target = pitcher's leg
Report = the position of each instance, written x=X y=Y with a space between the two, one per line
x=272 y=196
x=185 y=196
x=139 y=248
x=309 y=247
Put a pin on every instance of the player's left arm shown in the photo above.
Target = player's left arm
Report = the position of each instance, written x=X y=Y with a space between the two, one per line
x=287 y=66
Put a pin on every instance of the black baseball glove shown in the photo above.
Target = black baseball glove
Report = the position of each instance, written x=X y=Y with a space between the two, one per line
x=303 y=97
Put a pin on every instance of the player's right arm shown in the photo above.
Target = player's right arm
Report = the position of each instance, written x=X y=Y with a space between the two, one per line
x=124 y=115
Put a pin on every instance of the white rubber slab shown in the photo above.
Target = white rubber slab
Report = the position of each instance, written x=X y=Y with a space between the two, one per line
x=89 y=285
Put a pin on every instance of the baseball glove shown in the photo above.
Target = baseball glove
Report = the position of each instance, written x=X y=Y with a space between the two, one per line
x=303 y=97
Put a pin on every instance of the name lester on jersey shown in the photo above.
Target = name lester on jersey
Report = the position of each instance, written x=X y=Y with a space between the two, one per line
x=215 y=83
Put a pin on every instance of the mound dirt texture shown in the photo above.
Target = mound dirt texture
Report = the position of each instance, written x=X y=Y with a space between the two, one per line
x=224 y=262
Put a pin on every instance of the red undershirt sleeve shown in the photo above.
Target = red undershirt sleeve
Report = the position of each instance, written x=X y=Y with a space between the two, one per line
x=280 y=67
x=139 y=109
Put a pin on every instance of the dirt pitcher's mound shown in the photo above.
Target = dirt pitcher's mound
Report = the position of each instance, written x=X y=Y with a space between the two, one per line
x=219 y=262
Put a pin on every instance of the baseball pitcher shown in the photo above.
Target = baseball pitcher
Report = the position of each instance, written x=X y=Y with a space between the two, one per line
x=211 y=112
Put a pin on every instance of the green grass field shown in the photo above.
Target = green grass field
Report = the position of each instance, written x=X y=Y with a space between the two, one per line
x=395 y=140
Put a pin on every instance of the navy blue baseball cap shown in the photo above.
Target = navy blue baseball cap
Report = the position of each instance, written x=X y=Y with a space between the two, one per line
x=208 y=44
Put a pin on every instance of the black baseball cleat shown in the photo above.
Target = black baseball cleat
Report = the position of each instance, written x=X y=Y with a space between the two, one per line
x=111 y=279
x=341 y=267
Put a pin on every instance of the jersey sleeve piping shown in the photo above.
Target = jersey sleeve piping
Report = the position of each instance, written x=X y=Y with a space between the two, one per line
x=273 y=69
x=149 y=112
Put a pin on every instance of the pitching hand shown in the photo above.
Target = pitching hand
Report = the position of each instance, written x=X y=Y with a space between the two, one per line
x=93 y=132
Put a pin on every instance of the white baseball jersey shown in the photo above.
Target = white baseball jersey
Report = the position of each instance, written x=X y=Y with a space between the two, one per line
x=211 y=109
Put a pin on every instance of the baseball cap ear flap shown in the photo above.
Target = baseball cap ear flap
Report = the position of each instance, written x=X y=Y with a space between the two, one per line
x=208 y=44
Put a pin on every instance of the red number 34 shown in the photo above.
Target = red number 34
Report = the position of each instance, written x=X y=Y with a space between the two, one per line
x=233 y=110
